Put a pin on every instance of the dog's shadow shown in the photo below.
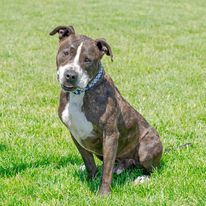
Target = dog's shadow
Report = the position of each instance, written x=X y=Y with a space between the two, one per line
x=56 y=162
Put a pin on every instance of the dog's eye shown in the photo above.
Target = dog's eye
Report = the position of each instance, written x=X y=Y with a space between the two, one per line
x=87 y=60
x=66 y=53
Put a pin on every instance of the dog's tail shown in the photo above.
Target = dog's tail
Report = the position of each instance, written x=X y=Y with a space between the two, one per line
x=178 y=147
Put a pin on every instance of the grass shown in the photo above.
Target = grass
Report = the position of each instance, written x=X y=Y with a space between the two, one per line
x=159 y=67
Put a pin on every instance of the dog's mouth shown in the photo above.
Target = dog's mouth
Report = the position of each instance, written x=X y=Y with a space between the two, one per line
x=68 y=88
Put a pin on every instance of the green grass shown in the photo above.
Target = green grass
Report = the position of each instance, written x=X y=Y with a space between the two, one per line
x=160 y=68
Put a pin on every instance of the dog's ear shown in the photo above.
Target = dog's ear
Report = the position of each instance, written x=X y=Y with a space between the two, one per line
x=104 y=47
x=64 y=31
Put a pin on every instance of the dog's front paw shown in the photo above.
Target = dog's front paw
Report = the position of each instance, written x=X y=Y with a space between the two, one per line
x=104 y=190
x=82 y=168
x=91 y=175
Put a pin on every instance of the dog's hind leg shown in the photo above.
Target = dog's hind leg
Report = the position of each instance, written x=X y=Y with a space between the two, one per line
x=150 y=150
x=149 y=154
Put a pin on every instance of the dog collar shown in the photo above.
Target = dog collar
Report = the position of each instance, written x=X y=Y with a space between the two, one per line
x=92 y=83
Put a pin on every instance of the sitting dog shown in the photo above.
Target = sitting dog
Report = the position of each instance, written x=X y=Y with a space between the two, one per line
x=100 y=120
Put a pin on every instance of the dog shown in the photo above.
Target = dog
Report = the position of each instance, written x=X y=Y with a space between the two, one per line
x=100 y=120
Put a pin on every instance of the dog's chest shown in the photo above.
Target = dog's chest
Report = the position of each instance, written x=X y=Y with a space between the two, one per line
x=75 y=119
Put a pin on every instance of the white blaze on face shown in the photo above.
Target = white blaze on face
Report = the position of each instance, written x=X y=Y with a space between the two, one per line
x=83 y=77
x=76 y=58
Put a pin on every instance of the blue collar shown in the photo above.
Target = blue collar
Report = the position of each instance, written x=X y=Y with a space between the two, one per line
x=92 y=83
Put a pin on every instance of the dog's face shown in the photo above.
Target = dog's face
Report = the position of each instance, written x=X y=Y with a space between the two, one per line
x=78 y=58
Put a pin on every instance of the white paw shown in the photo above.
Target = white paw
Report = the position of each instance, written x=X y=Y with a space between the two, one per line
x=82 y=168
x=141 y=179
x=119 y=171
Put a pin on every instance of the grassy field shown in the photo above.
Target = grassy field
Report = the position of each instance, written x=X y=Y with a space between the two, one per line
x=160 y=68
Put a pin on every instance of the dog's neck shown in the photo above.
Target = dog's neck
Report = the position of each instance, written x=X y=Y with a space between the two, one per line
x=94 y=82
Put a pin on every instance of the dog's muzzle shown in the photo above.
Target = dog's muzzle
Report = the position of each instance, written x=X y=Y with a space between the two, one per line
x=69 y=80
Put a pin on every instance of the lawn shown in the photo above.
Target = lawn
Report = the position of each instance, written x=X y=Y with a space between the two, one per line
x=159 y=66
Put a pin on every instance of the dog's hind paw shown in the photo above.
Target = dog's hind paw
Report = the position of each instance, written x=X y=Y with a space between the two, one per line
x=123 y=165
x=141 y=179
x=118 y=170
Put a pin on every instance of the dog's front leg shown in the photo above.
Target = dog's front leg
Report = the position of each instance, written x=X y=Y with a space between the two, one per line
x=88 y=159
x=110 y=144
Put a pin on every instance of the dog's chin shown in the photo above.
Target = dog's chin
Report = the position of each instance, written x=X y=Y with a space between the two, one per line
x=68 y=88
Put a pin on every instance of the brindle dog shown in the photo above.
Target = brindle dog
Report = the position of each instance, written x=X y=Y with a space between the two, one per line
x=100 y=120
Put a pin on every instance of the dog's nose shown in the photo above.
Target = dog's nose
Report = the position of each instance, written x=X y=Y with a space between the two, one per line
x=70 y=76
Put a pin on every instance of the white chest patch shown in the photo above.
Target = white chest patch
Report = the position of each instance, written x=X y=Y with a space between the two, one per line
x=75 y=119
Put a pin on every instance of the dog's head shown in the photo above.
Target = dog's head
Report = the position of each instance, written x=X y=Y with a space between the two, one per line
x=78 y=58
